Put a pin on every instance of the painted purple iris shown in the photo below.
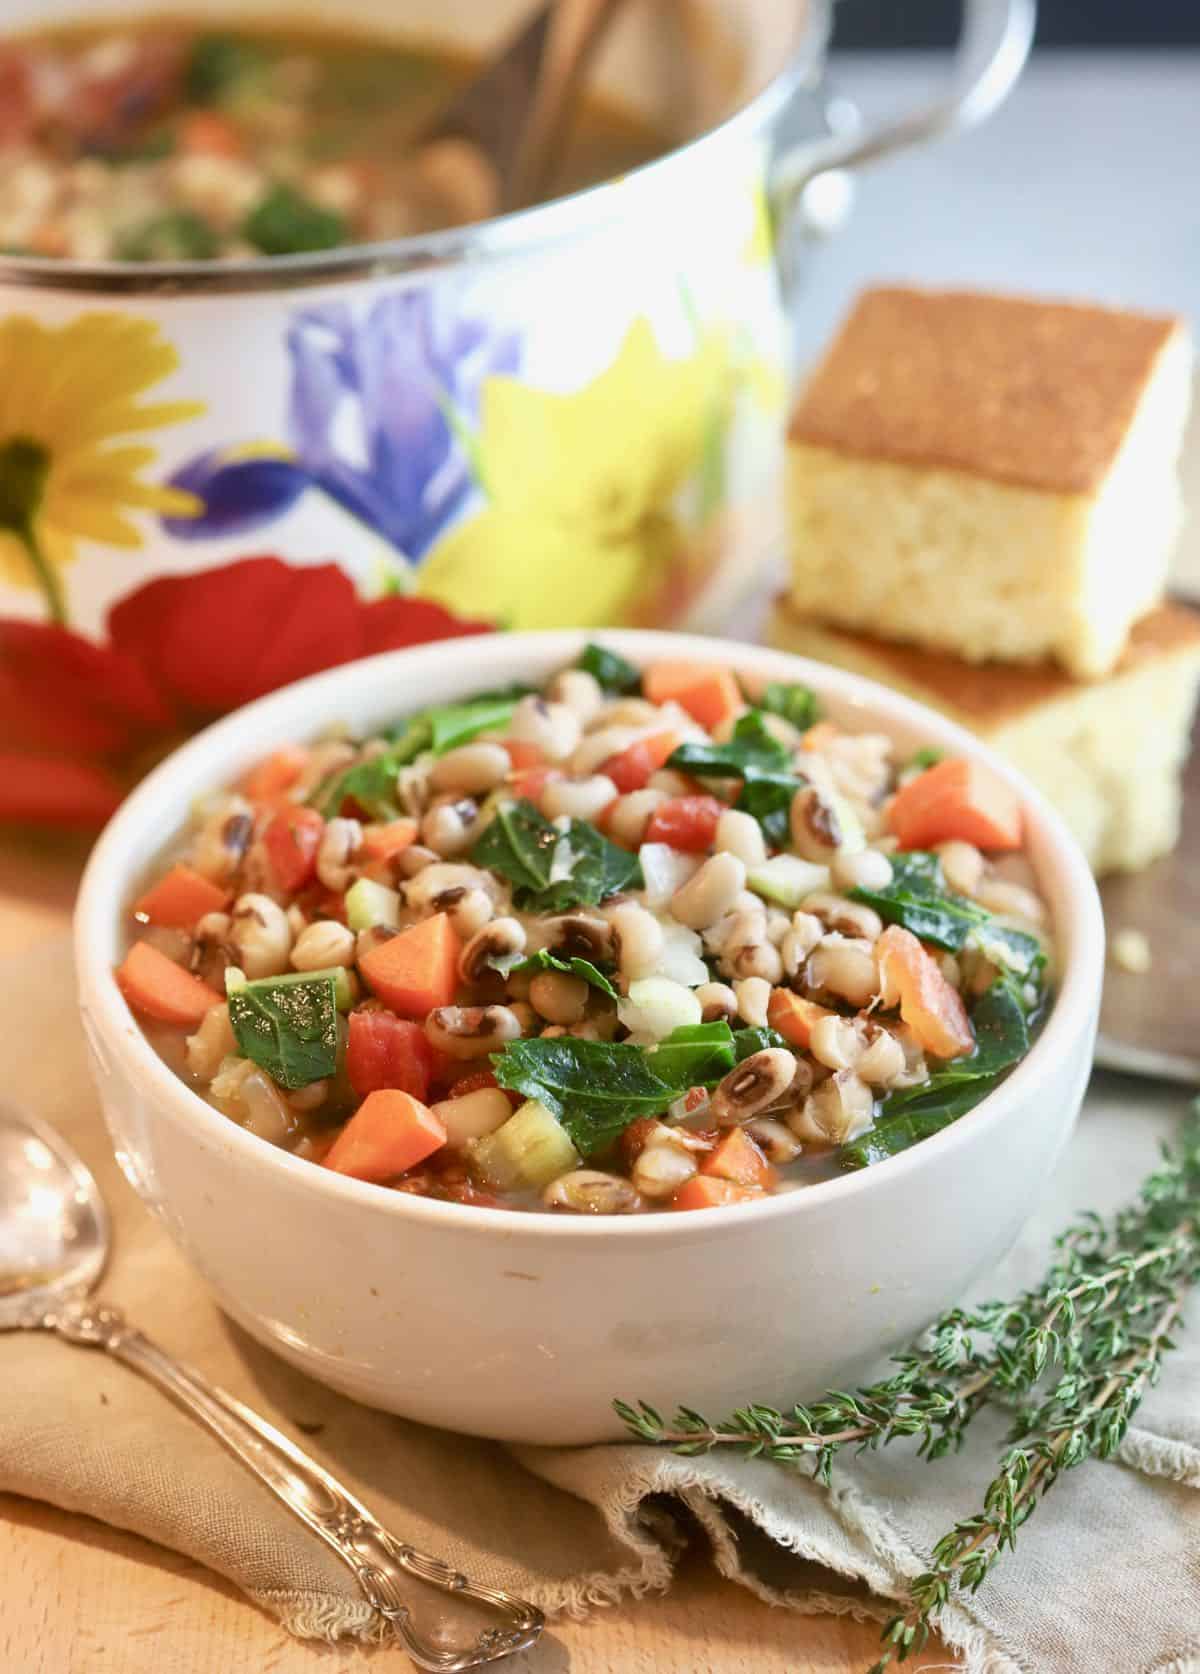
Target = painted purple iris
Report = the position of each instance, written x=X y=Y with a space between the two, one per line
x=371 y=415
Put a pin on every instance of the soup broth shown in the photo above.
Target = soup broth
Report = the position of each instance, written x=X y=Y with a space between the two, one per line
x=175 y=141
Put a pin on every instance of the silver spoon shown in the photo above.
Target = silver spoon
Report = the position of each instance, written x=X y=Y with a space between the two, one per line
x=54 y=1243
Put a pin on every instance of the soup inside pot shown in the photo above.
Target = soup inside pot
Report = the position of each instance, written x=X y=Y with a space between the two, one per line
x=168 y=139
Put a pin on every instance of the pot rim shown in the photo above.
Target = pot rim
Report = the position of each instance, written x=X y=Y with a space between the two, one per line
x=115 y=1036
x=542 y=224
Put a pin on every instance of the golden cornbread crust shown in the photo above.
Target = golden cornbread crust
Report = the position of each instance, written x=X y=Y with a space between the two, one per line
x=1016 y=390
x=988 y=694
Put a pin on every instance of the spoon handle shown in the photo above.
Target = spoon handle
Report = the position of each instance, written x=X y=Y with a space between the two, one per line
x=376 y=1557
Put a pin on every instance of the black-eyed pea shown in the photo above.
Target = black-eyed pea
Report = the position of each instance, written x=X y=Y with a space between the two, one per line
x=670 y=782
x=559 y=996
x=661 y=1168
x=467 y=909
x=638 y=939
x=755 y=1084
x=777 y=924
x=471 y=769
x=260 y=936
x=753 y=998
x=340 y=843
x=866 y=869
x=630 y=815
x=708 y=895
x=882 y=1062
x=598 y=747
x=845 y=967
x=774 y=1139
x=552 y=728
x=718 y=1002
x=815 y=827
x=834 y=1042
x=589 y=1191
x=322 y=945
x=471 y=1031
x=581 y=693
x=415 y=859
x=449 y=826
x=578 y=799
x=753 y=959
x=502 y=938
x=528 y=1020
x=740 y=834
x=963 y=866
x=1012 y=901
x=848 y=918
x=223 y=839
x=838 y=1109
x=212 y=1042
x=307 y=1099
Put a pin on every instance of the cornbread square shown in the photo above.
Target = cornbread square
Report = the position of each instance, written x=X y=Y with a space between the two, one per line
x=991 y=476
x=1107 y=753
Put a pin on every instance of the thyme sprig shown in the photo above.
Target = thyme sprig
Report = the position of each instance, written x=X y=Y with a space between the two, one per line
x=1073 y=1357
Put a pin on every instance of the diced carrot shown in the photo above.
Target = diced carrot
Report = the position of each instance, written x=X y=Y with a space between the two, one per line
x=381 y=842
x=739 y=1159
x=388 y=1134
x=632 y=768
x=819 y=735
x=275 y=773
x=417 y=970
x=931 y=1006
x=292 y=840
x=523 y=755
x=207 y=133
x=158 y=987
x=794 y=1016
x=709 y=1191
x=956 y=798
x=710 y=695
x=685 y=822
x=180 y=899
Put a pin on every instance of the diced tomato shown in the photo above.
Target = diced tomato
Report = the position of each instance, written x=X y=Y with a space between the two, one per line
x=523 y=755
x=292 y=840
x=388 y=1134
x=710 y=695
x=158 y=987
x=275 y=773
x=956 y=798
x=739 y=1159
x=180 y=899
x=709 y=1191
x=388 y=1051
x=632 y=769
x=530 y=782
x=416 y=971
x=931 y=1006
x=794 y=1016
x=17 y=110
x=685 y=822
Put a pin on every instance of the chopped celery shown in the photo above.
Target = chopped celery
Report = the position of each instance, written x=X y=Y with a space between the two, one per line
x=529 y=1150
x=787 y=879
x=369 y=903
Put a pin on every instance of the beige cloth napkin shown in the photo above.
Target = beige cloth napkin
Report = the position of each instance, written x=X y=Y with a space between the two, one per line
x=1105 y=1579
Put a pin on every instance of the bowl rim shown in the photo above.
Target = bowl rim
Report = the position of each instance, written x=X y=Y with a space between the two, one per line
x=303 y=707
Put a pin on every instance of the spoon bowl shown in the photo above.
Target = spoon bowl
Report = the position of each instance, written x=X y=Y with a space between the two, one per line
x=54 y=1228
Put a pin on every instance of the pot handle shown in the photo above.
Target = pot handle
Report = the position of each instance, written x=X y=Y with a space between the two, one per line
x=993 y=45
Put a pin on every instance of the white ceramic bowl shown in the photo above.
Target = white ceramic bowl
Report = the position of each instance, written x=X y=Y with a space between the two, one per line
x=525 y=1326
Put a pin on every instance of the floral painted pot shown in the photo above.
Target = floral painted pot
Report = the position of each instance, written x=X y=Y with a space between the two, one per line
x=570 y=416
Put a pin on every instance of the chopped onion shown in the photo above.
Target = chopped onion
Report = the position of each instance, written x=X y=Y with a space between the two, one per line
x=680 y=959
x=665 y=870
x=656 y=1007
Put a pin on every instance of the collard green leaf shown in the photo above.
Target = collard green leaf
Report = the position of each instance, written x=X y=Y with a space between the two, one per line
x=767 y=797
x=752 y=748
x=928 y=757
x=611 y=671
x=746 y=1042
x=288 y=1027
x=544 y=960
x=528 y=850
x=796 y=703
x=458 y=723
x=595 y=1088
x=697 y=1055
x=918 y=1121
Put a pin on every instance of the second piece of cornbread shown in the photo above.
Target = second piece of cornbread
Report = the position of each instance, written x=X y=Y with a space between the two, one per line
x=1108 y=753
x=990 y=476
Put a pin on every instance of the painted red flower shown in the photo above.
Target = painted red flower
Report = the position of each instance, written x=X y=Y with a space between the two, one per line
x=75 y=716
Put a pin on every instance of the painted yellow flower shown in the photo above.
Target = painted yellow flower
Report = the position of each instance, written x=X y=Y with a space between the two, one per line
x=69 y=399
x=581 y=486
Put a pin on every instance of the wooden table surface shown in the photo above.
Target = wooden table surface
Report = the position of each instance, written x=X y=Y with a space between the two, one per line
x=77 y=1597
